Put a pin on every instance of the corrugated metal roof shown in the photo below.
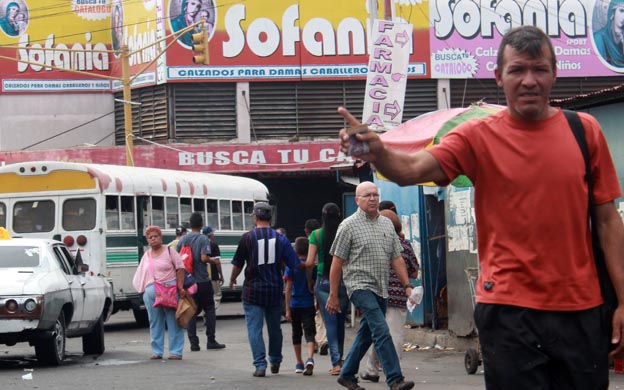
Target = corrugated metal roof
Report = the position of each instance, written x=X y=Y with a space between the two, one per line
x=604 y=96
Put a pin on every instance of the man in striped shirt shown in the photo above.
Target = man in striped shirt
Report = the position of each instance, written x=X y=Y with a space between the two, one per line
x=264 y=251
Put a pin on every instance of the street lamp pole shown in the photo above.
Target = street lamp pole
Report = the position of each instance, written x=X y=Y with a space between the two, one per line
x=127 y=97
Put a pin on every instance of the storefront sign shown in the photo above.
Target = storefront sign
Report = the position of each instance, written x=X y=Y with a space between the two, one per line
x=387 y=77
x=465 y=35
x=246 y=158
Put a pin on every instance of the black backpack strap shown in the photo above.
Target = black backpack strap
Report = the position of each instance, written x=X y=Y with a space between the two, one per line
x=608 y=293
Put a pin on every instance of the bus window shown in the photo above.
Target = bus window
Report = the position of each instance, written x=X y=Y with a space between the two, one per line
x=224 y=214
x=158 y=211
x=112 y=212
x=2 y=215
x=33 y=216
x=79 y=214
x=127 y=213
x=212 y=213
x=248 y=215
x=199 y=207
x=185 y=209
x=237 y=215
x=172 y=213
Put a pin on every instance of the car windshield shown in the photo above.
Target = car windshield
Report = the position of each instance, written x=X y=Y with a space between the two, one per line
x=19 y=256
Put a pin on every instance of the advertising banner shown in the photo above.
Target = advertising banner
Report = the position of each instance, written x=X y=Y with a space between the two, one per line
x=387 y=74
x=136 y=24
x=248 y=158
x=43 y=32
x=285 y=39
x=587 y=35
x=288 y=40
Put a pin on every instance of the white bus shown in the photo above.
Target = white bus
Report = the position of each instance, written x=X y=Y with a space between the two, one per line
x=102 y=211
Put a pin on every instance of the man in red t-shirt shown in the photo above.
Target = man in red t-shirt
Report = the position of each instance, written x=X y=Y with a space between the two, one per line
x=538 y=310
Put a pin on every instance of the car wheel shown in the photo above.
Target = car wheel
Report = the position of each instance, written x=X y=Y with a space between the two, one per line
x=93 y=343
x=51 y=350
x=141 y=317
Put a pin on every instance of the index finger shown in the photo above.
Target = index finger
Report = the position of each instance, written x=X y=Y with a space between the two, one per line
x=348 y=117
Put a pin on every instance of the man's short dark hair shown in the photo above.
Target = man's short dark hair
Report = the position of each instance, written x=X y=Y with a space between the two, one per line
x=196 y=221
x=526 y=40
x=301 y=246
x=311 y=225
x=262 y=211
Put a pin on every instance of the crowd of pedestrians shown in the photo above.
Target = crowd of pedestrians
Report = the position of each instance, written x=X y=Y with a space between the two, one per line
x=539 y=327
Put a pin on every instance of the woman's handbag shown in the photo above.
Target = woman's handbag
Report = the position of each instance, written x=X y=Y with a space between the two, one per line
x=166 y=293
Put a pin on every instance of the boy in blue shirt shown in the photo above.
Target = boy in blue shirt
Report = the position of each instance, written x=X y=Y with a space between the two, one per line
x=300 y=309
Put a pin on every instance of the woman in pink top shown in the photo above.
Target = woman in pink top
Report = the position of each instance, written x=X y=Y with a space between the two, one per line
x=164 y=265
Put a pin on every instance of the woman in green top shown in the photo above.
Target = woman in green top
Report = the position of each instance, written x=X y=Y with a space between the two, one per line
x=321 y=241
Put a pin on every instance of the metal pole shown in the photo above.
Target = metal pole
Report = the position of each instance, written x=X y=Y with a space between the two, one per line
x=388 y=9
x=127 y=97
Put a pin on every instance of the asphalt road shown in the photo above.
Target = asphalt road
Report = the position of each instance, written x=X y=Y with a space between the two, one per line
x=126 y=364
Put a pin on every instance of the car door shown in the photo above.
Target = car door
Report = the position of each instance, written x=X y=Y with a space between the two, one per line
x=75 y=285
x=93 y=287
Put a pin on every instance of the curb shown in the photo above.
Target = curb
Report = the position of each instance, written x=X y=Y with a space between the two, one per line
x=439 y=339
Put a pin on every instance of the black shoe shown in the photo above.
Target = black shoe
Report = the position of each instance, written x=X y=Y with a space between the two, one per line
x=215 y=345
x=259 y=372
x=275 y=368
x=349 y=384
x=401 y=384
x=194 y=347
x=368 y=377
x=324 y=349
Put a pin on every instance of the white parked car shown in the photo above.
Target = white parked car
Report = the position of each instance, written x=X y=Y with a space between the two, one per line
x=46 y=296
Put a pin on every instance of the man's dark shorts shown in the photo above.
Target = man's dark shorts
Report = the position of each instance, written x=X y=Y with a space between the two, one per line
x=543 y=350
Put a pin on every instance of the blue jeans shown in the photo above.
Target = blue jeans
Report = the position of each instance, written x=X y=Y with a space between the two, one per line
x=334 y=323
x=373 y=329
x=158 y=318
x=255 y=316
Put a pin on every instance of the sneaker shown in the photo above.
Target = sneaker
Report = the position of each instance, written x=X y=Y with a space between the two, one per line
x=369 y=377
x=324 y=349
x=215 y=345
x=309 y=367
x=349 y=384
x=401 y=384
x=259 y=372
x=275 y=368
x=194 y=347
x=299 y=368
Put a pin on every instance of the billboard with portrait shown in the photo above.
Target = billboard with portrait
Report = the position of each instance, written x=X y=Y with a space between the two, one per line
x=285 y=39
x=40 y=34
x=465 y=35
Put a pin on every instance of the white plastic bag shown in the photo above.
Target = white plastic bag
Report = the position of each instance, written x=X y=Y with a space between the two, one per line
x=415 y=298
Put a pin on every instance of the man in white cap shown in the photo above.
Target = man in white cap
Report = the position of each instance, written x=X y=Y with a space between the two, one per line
x=263 y=250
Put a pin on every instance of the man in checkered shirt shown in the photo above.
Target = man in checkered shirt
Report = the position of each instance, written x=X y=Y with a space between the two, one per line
x=365 y=245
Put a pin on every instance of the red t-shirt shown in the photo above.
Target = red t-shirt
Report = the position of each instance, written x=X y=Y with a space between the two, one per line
x=531 y=207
